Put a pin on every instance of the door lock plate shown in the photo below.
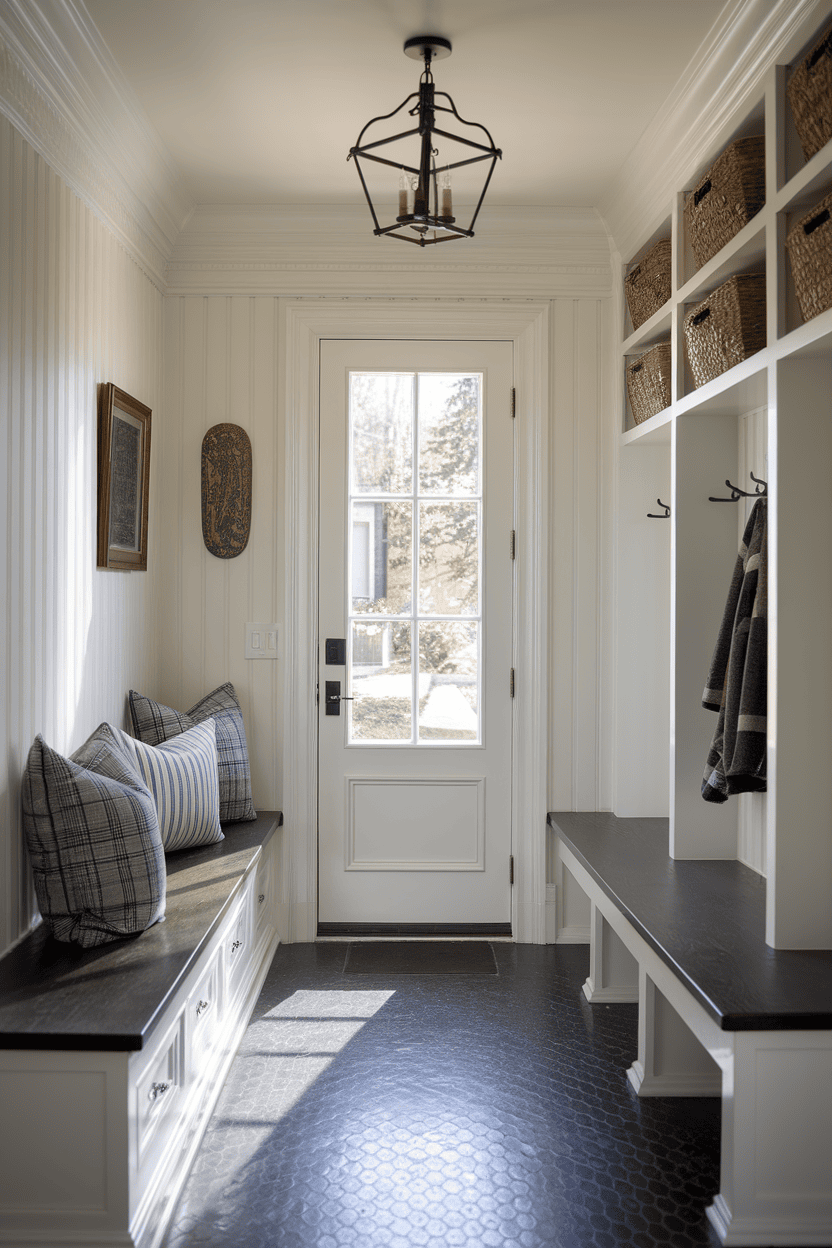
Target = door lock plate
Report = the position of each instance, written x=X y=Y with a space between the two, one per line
x=335 y=651
x=333 y=697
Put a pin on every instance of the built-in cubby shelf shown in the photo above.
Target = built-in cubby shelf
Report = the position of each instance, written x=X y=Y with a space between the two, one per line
x=771 y=415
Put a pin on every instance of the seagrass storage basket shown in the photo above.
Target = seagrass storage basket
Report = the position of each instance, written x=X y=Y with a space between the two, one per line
x=726 y=327
x=647 y=285
x=648 y=382
x=809 y=243
x=810 y=96
x=730 y=194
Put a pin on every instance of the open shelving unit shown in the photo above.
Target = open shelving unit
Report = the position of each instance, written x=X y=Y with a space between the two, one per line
x=770 y=415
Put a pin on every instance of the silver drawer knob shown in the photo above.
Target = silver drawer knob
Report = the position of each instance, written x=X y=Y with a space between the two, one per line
x=203 y=1005
x=157 y=1090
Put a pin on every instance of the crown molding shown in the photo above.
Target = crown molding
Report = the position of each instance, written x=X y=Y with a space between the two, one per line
x=330 y=250
x=62 y=90
x=725 y=79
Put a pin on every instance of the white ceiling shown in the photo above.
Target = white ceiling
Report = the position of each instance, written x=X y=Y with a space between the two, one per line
x=259 y=101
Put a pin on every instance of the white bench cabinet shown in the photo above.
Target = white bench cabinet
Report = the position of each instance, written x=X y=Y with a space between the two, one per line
x=112 y=1059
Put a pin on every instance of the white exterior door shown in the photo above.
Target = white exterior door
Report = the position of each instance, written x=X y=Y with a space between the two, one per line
x=415 y=629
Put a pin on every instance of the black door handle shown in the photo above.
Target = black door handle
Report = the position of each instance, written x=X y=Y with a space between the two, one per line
x=333 y=697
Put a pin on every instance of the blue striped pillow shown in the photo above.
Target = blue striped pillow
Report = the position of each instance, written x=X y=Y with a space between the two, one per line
x=153 y=722
x=182 y=777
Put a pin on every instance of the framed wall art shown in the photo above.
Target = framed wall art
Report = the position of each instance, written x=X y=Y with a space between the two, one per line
x=123 y=480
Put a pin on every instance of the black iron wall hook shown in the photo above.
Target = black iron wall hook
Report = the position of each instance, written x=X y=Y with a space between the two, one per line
x=666 y=516
x=760 y=491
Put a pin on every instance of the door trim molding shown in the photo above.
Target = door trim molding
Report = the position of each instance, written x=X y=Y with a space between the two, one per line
x=303 y=325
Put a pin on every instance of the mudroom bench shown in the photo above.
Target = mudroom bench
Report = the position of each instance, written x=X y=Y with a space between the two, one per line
x=112 y=1058
x=720 y=1013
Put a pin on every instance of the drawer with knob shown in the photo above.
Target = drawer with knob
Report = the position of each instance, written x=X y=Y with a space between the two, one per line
x=263 y=892
x=238 y=941
x=160 y=1096
x=204 y=1014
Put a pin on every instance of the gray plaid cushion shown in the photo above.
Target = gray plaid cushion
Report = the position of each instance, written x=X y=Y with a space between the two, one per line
x=154 y=723
x=182 y=777
x=93 y=838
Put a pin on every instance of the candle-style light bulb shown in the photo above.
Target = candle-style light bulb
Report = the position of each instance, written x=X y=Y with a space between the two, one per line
x=447 y=203
x=403 y=189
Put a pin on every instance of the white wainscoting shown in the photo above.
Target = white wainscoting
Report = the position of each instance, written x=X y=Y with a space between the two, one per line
x=75 y=311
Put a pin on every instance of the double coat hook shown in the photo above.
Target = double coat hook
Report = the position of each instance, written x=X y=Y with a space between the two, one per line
x=662 y=516
x=760 y=491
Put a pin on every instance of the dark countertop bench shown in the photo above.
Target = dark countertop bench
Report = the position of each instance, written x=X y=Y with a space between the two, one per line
x=706 y=921
x=55 y=995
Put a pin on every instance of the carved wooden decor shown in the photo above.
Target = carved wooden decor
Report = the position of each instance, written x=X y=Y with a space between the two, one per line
x=226 y=490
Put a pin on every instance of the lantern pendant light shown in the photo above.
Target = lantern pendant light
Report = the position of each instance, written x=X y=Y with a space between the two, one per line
x=425 y=194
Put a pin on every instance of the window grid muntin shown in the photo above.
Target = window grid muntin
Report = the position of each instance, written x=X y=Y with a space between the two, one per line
x=415 y=616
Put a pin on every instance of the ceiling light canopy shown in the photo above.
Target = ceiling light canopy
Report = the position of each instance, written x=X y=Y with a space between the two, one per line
x=425 y=192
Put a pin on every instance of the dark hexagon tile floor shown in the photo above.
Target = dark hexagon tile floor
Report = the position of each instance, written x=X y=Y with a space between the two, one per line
x=434 y=1111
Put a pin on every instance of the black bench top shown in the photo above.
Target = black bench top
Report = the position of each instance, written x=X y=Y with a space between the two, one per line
x=56 y=995
x=706 y=921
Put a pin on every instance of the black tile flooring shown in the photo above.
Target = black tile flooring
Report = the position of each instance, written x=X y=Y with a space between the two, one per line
x=431 y=1111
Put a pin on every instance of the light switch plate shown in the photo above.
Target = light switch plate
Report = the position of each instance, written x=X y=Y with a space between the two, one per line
x=262 y=641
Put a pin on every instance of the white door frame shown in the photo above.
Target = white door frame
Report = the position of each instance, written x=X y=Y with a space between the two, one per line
x=303 y=324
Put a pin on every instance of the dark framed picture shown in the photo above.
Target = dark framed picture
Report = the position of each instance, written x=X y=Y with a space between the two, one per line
x=123 y=480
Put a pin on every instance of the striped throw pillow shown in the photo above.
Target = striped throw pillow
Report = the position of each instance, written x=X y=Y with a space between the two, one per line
x=153 y=723
x=182 y=777
x=93 y=839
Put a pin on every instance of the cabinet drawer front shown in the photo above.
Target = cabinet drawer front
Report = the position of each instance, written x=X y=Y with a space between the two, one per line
x=263 y=883
x=160 y=1092
x=238 y=943
x=205 y=1008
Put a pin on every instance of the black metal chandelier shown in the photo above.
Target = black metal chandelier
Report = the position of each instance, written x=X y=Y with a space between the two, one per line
x=425 y=208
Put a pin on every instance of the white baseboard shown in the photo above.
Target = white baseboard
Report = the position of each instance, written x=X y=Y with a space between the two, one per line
x=677 y=1084
x=572 y=936
x=768 y=1232
x=623 y=994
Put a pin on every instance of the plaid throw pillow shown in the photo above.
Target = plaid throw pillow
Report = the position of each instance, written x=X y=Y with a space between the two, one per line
x=154 y=723
x=93 y=839
x=182 y=777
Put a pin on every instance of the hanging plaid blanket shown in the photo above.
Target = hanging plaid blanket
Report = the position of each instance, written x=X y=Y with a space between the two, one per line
x=736 y=685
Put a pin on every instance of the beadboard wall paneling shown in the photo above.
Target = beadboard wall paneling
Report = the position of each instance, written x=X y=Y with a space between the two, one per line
x=221 y=365
x=329 y=251
x=75 y=311
x=221 y=361
x=580 y=776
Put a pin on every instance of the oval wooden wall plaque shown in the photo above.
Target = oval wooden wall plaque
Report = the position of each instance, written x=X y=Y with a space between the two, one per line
x=226 y=490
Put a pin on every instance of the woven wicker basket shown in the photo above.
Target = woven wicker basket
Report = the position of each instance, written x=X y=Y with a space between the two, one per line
x=810 y=96
x=810 y=252
x=726 y=327
x=729 y=195
x=647 y=285
x=648 y=382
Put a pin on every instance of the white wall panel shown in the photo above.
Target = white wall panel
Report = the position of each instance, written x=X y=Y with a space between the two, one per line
x=579 y=741
x=221 y=365
x=75 y=311
x=222 y=357
x=752 y=457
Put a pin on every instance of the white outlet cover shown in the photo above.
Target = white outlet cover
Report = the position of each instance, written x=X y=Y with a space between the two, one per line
x=262 y=640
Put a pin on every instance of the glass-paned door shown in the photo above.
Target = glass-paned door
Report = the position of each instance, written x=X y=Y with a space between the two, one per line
x=416 y=581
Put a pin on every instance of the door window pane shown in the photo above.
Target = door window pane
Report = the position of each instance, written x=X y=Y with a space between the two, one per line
x=381 y=682
x=439 y=510
x=448 y=670
x=449 y=558
x=381 y=433
x=449 y=433
x=382 y=557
